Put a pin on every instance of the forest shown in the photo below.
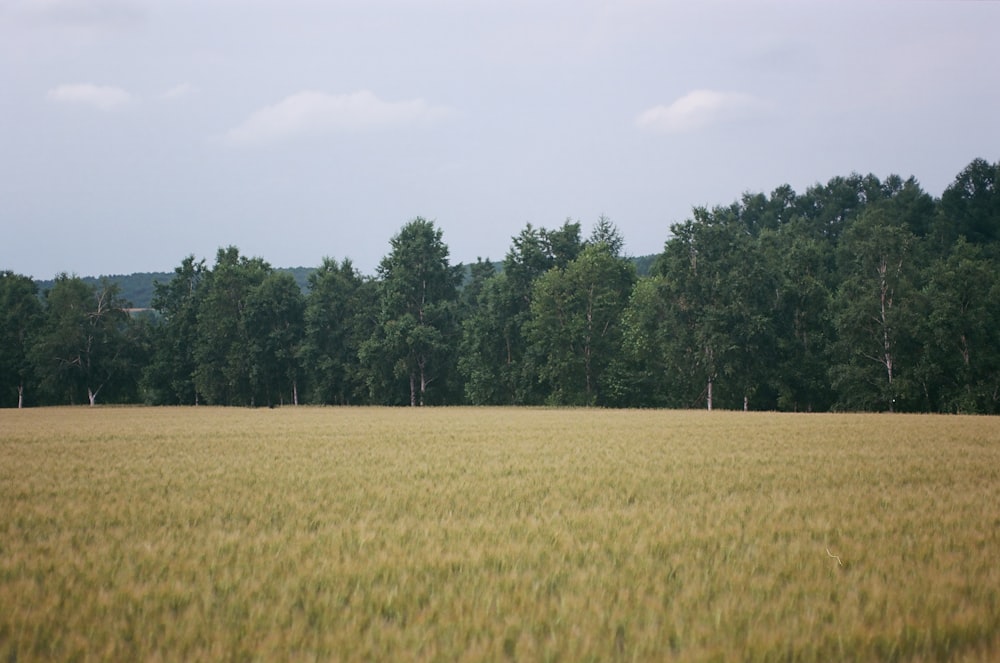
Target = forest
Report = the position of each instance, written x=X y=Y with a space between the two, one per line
x=859 y=294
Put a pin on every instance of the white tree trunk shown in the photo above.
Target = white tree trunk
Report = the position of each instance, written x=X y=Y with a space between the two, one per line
x=709 y=394
x=20 y=396
x=423 y=385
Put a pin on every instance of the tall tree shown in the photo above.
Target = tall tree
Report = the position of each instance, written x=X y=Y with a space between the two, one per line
x=169 y=378
x=84 y=343
x=654 y=345
x=959 y=365
x=222 y=351
x=722 y=291
x=495 y=358
x=827 y=210
x=491 y=348
x=606 y=232
x=876 y=313
x=339 y=316
x=575 y=327
x=804 y=272
x=417 y=334
x=20 y=315
x=274 y=328
x=970 y=206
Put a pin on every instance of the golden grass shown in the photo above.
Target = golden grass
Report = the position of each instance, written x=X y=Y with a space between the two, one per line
x=496 y=534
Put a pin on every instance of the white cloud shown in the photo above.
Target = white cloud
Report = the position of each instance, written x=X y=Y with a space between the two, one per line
x=101 y=97
x=80 y=13
x=179 y=91
x=699 y=109
x=311 y=113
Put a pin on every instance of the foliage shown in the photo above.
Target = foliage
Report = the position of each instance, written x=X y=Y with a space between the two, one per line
x=858 y=294
x=169 y=377
x=876 y=315
x=338 y=319
x=86 y=344
x=274 y=321
x=20 y=315
x=139 y=288
x=417 y=323
x=224 y=370
x=959 y=368
x=575 y=330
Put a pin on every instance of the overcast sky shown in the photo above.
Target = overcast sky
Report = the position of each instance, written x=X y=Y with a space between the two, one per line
x=136 y=132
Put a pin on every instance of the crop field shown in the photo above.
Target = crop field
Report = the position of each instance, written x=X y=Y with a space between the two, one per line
x=461 y=534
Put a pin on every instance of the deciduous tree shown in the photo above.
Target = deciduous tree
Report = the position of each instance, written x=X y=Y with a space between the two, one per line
x=169 y=378
x=222 y=352
x=84 y=341
x=575 y=327
x=876 y=313
x=339 y=317
x=274 y=328
x=20 y=316
x=416 y=338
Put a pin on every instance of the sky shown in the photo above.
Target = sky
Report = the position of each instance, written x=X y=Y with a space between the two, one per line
x=134 y=133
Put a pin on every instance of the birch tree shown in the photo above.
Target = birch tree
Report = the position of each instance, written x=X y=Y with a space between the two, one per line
x=575 y=327
x=416 y=338
x=875 y=314
x=339 y=316
x=83 y=345
x=20 y=315
x=169 y=378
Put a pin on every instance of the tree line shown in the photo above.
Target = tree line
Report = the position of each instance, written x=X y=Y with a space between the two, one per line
x=859 y=294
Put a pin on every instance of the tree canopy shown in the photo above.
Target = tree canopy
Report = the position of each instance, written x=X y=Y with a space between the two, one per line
x=858 y=294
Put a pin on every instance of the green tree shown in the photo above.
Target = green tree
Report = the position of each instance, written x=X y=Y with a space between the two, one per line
x=20 y=316
x=605 y=232
x=496 y=360
x=575 y=326
x=649 y=337
x=959 y=366
x=222 y=352
x=416 y=338
x=970 y=206
x=481 y=316
x=490 y=339
x=169 y=378
x=826 y=210
x=876 y=313
x=480 y=273
x=84 y=344
x=273 y=321
x=722 y=291
x=339 y=317
x=804 y=275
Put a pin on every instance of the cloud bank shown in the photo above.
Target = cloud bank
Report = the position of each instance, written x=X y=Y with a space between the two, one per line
x=179 y=92
x=699 y=109
x=312 y=113
x=100 y=14
x=101 y=97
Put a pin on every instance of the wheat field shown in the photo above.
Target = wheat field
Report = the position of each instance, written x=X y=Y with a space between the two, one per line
x=463 y=534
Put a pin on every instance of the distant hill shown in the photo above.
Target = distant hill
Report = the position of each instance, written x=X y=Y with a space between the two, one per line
x=644 y=264
x=138 y=288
